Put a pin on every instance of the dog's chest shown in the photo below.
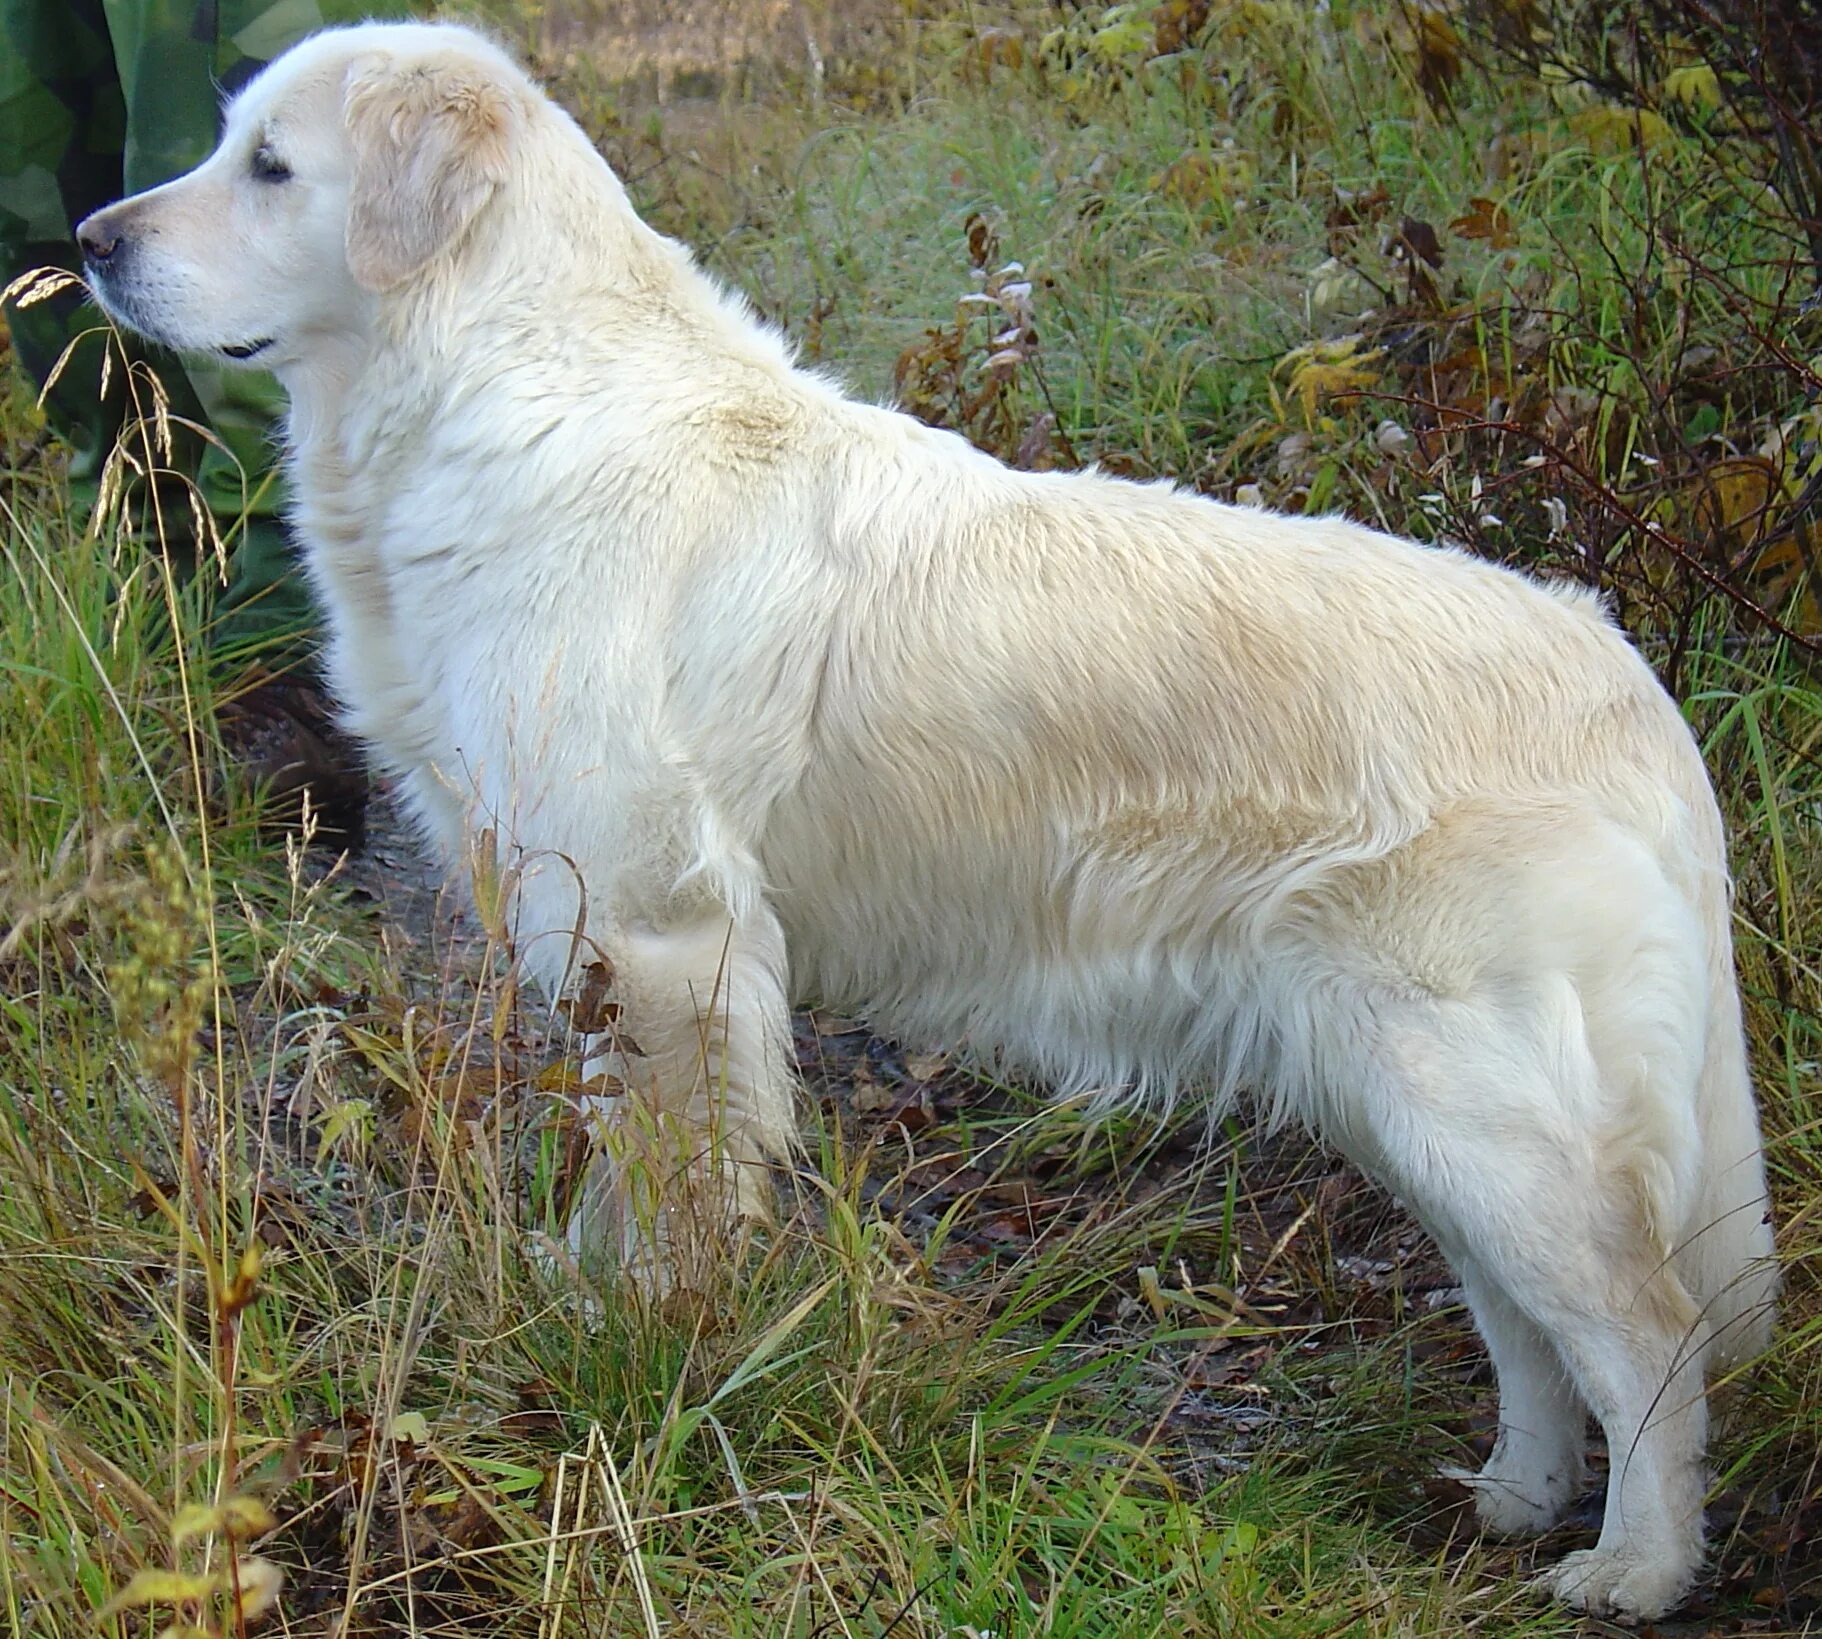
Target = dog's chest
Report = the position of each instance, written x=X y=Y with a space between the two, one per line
x=388 y=629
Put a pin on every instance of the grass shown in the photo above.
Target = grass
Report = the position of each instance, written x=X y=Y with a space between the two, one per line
x=268 y=1170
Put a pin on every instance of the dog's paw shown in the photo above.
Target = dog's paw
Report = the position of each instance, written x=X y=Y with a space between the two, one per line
x=1512 y=1505
x=1620 y=1583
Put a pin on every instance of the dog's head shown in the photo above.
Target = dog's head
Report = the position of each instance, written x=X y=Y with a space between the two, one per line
x=355 y=163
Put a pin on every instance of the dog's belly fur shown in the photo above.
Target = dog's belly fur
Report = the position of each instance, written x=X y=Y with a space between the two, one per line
x=1196 y=963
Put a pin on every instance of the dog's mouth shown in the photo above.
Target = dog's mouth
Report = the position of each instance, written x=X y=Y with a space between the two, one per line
x=247 y=349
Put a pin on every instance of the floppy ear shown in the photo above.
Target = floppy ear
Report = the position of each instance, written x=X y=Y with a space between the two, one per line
x=431 y=143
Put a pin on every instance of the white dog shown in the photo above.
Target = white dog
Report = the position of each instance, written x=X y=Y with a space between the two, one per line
x=779 y=694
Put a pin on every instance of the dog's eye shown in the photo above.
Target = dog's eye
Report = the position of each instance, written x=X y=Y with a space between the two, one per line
x=268 y=167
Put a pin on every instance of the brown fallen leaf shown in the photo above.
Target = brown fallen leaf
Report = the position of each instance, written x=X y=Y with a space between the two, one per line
x=589 y=1011
x=1485 y=219
x=1418 y=240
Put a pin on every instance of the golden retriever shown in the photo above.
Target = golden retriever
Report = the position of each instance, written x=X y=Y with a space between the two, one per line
x=775 y=694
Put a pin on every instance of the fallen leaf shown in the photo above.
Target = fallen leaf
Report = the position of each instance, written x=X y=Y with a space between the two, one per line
x=983 y=242
x=1486 y=219
x=412 y=1426
x=1417 y=240
x=1350 y=212
x=589 y=1011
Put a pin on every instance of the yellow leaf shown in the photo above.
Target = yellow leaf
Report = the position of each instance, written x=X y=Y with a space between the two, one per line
x=383 y=1054
x=999 y=46
x=246 y=1517
x=564 y=1078
x=1696 y=87
x=1328 y=369
x=194 y=1519
x=1735 y=498
x=1125 y=33
x=1783 y=577
x=1610 y=130
x=159 y=1587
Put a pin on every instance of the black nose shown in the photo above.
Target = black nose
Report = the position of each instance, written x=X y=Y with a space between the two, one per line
x=98 y=240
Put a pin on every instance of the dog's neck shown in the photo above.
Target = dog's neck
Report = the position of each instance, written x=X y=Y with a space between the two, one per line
x=592 y=253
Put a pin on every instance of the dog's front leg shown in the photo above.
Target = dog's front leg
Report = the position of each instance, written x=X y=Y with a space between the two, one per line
x=703 y=1107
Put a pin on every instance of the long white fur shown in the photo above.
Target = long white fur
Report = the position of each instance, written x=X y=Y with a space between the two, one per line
x=777 y=695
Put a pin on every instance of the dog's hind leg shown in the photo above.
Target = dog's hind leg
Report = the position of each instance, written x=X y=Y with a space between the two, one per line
x=1638 y=1359
x=700 y=1047
x=1488 y=1119
x=1537 y=1464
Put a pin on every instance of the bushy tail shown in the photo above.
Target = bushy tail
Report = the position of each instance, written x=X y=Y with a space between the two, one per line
x=1725 y=1254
